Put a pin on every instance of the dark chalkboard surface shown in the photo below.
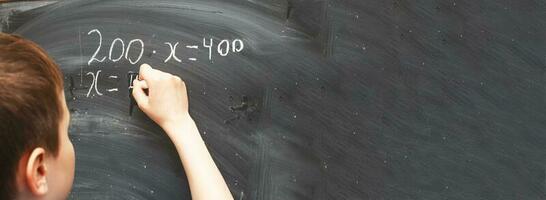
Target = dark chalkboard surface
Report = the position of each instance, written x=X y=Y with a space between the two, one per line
x=307 y=99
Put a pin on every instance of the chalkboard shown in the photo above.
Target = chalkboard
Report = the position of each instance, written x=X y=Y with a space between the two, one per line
x=307 y=99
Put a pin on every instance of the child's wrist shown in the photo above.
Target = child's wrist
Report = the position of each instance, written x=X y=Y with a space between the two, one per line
x=179 y=125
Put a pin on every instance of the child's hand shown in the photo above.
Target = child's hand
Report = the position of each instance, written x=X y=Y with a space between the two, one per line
x=166 y=102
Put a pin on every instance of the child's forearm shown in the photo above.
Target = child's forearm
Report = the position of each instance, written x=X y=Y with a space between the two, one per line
x=166 y=102
x=206 y=181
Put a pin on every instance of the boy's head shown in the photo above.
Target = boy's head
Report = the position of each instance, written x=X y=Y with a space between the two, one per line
x=36 y=156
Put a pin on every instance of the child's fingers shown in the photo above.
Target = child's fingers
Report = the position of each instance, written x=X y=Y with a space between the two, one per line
x=146 y=72
x=138 y=93
x=143 y=84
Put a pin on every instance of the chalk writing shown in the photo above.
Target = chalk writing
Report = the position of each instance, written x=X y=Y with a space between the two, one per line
x=223 y=47
x=95 y=77
x=121 y=50
x=124 y=51
x=129 y=47
x=93 y=58
x=112 y=47
x=173 y=52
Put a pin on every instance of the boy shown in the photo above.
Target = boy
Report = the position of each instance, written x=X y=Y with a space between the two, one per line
x=36 y=155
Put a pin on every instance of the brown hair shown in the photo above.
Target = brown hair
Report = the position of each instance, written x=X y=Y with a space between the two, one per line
x=30 y=105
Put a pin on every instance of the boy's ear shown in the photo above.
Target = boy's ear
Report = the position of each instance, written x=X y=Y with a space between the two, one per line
x=36 y=171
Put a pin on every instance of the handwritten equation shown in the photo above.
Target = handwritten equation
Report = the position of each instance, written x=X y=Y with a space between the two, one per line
x=223 y=48
x=132 y=50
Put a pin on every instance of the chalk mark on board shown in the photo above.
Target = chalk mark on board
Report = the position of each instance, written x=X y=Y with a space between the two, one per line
x=71 y=88
x=243 y=110
x=173 y=52
x=94 y=84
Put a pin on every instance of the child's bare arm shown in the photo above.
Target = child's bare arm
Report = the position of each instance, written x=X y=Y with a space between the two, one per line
x=167 y=104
